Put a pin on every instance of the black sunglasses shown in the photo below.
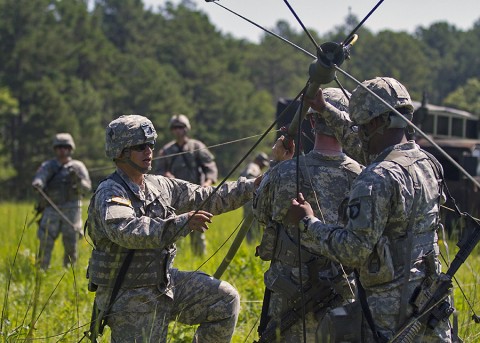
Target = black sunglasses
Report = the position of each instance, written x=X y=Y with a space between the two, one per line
x=142 y=147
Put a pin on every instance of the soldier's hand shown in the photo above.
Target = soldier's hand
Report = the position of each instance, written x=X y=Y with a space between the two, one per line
x=37 y=184
x=299 y=209
x=318 y=103
x=282 y=153
x=198 y=221
x=169 y=175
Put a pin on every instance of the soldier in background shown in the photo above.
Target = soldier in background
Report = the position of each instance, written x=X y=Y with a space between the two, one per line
x=65 y=181
x=326 y=175
x=132 y=218
x=187 y=159
x=391 y=233
x=252 y=171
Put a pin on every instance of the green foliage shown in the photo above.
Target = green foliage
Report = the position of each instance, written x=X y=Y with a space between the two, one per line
x=60 y=305
x=466 y=97
x=66 y=66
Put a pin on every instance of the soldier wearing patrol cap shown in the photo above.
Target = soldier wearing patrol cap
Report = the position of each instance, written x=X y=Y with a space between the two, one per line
x=253 y=170
x=134 y=220
x=393 y=214
x=65 y=181
x=187 y=159
x=326 y=175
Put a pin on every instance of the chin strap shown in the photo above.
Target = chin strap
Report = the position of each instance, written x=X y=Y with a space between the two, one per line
x=126 y=159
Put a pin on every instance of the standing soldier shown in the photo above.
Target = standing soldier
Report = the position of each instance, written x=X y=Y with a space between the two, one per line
x=134 y=227
x=326 y=175
x=252 y=171
x=391 y=233
x=188 y=159
x=63 y=181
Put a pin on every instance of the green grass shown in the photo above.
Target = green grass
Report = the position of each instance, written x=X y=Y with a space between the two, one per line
x=59 y=303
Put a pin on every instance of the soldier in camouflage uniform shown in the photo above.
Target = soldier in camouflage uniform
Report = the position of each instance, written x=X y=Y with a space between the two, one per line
x=393 y=213
x=326 y=175
x=251 y=171
x=191 y=161
x=132 y=217
x=65 y=181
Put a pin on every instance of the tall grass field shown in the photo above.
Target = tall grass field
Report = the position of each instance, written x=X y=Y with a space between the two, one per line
x=55 y=306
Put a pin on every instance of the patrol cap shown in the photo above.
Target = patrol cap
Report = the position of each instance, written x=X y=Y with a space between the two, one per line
x=335 y=97
x=263 y=158
x=180 y=120
x=127 y=131
x=364 y=106
x=63 y=139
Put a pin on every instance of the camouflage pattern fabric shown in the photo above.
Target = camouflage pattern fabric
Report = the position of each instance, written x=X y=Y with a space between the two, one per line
x=66 y=185
x=251 y=171
x=196 y=165
x=123 y=216
x=379 y=207
x=127 y=131
x=325 y=182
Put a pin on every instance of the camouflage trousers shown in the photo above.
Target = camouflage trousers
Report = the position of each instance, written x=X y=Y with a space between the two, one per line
x=198 y=243
x=385 y=307
x=143 y=314
x=51 y=225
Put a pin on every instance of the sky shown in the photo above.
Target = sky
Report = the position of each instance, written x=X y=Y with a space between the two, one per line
x=323 y=16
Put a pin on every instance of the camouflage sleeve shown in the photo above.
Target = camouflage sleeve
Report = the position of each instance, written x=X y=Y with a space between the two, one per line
x=43 y=173
x=120 y=224
x=262 y=199
x=206 y=161
x=368 y=209
x=84 y=183
x=186 y=196
x=340 y=123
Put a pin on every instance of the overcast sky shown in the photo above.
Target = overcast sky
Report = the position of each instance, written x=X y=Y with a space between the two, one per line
x=323 y=16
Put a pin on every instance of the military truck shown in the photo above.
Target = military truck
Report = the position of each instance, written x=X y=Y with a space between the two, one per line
x=456 y=132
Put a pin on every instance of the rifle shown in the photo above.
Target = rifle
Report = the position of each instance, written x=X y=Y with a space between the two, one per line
x=317 y=298
x=430 y=299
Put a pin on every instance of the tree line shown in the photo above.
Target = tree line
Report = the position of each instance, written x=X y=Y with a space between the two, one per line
x=74 y=65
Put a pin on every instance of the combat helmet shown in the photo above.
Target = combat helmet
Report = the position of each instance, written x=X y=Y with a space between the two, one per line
x=180 y=120
x=61 y=139
x=335 y=97
x=364 y=106
x=127 y=131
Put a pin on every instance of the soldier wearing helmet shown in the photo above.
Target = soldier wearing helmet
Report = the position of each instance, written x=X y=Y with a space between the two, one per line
x=187 y=159
x=64 y=181
x=393 y=213
x=325 y=175
x=134 y=220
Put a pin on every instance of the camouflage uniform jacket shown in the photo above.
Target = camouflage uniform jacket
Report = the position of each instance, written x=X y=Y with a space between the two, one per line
x=196 y=165
x=122 y=217
x=375 y=238
x=64 y=184
x=324 y=178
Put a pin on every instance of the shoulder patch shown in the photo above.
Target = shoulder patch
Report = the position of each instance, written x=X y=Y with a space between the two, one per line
x=120 y=201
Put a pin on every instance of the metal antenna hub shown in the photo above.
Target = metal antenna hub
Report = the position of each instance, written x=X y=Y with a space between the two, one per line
x=321 y=70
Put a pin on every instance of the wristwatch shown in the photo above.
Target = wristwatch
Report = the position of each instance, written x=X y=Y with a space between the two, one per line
x=304 y=223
